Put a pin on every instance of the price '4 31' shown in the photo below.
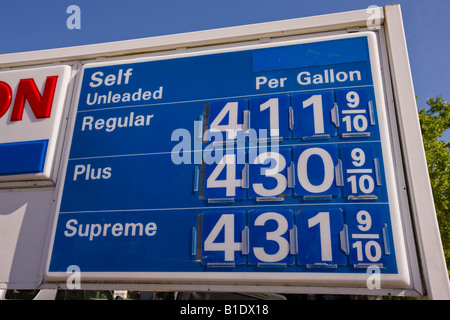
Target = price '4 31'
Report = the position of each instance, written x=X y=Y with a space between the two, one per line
x=318 y=237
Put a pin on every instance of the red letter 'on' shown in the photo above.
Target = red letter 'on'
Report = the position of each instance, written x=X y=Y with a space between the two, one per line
x=41 y=105
x=5 y=98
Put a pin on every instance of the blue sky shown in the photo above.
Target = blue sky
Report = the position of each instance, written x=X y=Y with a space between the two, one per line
x=35 y=25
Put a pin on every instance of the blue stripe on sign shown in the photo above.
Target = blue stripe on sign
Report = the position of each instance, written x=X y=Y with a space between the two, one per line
x=22 y=157
x=311 y=54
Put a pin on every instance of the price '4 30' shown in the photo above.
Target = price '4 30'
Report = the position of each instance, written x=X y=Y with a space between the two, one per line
x=307 y=171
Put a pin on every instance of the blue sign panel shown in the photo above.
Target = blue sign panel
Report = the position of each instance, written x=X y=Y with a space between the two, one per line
x=257 y=161
x=22 y=157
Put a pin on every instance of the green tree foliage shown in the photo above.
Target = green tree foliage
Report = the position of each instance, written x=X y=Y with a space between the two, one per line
x=434 y=122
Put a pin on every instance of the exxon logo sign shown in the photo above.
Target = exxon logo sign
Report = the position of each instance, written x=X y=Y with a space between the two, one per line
x=31 y=108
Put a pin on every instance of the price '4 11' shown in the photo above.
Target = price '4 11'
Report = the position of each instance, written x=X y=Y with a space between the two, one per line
x=321 y=115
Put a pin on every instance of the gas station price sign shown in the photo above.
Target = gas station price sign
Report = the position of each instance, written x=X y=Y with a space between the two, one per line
x=268 y=163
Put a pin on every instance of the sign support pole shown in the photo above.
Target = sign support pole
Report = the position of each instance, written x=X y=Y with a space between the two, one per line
x=421 y=198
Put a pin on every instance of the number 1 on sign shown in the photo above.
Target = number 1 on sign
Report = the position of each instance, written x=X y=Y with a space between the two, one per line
x=316 y=102
x=272 y=105
x=319 y=238
x=323 y=220
x=313 y=115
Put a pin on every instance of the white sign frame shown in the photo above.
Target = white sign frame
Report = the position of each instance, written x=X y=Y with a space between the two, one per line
x=401 y=280
x=42 y=129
